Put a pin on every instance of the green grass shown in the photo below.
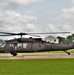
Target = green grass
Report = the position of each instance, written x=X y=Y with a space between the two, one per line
x=37 y=67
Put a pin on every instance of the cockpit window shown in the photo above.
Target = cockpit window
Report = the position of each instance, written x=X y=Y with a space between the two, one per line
x=2 y=44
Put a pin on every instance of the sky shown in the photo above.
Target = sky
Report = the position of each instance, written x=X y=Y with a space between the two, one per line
x=36 y=15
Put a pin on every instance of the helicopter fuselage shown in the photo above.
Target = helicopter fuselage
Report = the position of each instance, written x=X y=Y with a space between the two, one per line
x=34 y=47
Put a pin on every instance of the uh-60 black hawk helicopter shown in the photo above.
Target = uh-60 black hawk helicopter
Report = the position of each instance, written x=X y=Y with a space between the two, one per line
x=31 y=44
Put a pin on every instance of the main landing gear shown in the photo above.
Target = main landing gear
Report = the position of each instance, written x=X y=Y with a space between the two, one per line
x=13 y=53
x=67 y=52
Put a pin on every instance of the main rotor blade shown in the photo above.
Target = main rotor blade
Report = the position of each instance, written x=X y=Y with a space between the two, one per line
x=21 y=34
x=51 y=33
x=12 y=34
x=5 y=35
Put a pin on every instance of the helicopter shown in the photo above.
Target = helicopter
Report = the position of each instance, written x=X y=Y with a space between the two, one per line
x=31 y=44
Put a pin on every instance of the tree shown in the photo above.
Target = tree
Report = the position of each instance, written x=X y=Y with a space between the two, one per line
x=61 y=39
x=1 y=40
x=69 y=39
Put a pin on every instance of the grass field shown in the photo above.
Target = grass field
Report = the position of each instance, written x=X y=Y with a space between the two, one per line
x=37 y=67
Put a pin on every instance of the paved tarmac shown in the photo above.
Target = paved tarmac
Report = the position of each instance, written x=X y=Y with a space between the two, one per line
x=35 y=56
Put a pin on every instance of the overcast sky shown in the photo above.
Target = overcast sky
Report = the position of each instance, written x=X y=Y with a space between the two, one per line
x=36 y=15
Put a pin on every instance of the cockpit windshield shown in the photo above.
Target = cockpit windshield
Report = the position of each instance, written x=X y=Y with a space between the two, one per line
x=2 y=44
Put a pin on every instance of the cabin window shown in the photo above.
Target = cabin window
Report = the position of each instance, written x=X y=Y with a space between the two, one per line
x=19 y=45
x=10 y=45
x=24 y=45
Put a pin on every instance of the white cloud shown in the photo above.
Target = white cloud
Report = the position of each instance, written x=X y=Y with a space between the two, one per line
x=72 y=1
x=68 y=12
x=52 y=28
x=11 y=21
x=62 y=21
x=67 y=27
x=32 y=28
x=16 y=3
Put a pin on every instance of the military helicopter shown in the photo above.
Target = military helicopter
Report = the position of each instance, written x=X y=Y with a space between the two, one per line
x=31 y=44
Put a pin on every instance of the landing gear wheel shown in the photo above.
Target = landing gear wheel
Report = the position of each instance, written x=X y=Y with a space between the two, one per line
x=14 y=53
x=68 y=53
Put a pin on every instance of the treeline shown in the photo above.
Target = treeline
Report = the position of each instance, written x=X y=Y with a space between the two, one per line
x=69 y=39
